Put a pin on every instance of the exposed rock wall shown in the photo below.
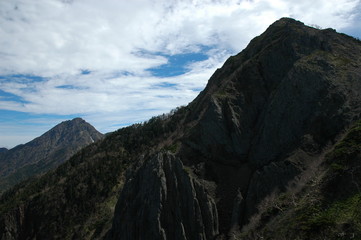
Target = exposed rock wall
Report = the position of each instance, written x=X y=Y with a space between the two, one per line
x=161 y=201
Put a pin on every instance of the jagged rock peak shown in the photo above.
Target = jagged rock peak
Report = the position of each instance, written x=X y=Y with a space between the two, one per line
x=161 y=201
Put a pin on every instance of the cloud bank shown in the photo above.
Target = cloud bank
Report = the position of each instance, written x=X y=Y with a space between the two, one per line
x=97 y=59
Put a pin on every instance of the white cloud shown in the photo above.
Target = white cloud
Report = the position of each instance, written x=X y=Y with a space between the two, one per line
x=48 y=37
x=117 y=41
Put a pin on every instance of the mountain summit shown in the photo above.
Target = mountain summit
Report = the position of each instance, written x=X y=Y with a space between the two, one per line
x=45 y=152
x=264 y=152
x=260 y=129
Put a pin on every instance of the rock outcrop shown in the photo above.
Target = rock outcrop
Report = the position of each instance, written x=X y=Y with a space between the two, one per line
x=161 y=201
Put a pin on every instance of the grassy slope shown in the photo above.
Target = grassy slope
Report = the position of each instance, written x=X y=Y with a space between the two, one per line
x=329 y=207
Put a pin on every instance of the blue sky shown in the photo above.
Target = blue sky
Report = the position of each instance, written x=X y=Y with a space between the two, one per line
x=115 y=63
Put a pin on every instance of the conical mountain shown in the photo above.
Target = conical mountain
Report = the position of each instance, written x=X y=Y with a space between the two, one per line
x=276 y=130
x=45 y=152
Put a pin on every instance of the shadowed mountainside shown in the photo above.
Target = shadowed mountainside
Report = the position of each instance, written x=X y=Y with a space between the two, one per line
x=3 y=150
x=276 y=130
x=45 y=152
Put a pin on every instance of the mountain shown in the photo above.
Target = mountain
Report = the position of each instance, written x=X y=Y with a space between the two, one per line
x=2 y=150
x=45 y=152
x=270 y=149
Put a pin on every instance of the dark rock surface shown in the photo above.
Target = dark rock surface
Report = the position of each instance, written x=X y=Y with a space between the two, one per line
x=272 y=110
x=2 y=150
x=45 y=152
x=161 y=201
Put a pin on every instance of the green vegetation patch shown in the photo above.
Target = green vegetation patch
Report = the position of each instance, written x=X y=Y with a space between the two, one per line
x=340 y=159
x=173 y=148
x=338 y=215
x=330 y=209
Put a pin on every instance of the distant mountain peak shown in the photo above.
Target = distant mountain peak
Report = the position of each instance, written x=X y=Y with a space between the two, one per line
x=47 y=151
x=287 y=20
x=77 y=119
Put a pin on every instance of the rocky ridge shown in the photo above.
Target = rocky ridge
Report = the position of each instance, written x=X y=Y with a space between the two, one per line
x=266 y=119
x=272 y=111
x=271 y=131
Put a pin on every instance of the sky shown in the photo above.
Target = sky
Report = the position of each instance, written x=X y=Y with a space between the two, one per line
x=119 y=62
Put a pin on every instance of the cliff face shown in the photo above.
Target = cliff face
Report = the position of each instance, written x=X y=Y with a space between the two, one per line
x=269 y=114
x=45 y=152
x=273 y=131
x=163 y=202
